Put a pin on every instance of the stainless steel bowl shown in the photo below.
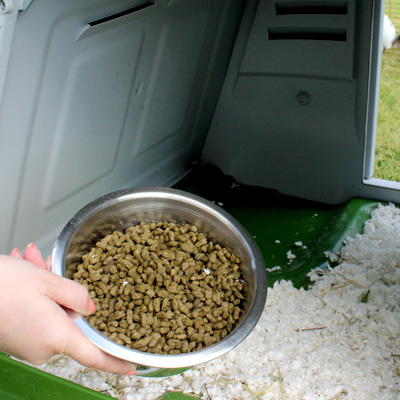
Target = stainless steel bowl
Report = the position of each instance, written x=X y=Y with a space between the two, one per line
x=117 y=211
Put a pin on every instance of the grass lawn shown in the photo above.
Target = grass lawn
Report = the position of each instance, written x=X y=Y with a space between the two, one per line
x=387 y=151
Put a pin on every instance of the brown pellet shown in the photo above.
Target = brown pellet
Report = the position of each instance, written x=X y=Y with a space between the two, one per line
x=163 y=288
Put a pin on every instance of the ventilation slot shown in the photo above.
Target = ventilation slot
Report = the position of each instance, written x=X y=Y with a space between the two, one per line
x=122 y=13
x=337 y=35
x=315 y=7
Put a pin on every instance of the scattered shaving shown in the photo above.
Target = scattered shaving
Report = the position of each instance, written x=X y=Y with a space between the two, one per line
x=290 y=255
x=338 y=340
x=273 y=269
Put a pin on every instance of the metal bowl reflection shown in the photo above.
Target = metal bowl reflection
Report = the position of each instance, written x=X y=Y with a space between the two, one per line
x=124 y=208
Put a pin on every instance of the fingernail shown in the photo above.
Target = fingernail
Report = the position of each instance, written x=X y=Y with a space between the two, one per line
x=92 y=306
x=131 y=373
x=31 y=245
x=15 y=253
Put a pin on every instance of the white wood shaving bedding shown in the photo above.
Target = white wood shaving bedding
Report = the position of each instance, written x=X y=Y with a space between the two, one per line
x=338 y=340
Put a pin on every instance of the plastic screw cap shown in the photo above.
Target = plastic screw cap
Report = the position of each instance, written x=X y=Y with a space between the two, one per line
x=303 y=98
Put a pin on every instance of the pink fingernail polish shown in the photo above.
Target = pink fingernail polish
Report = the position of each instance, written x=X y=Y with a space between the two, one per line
x=92 y=306
x=31 y=245
x=131 y=373
x=15 y=253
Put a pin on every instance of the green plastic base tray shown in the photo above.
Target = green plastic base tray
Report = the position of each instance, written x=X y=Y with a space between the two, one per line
x=19 y=381
x=22 y=382
x=277 y=222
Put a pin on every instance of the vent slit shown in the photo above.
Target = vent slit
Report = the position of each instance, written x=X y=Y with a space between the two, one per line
x=307 y=34
x=122 y=13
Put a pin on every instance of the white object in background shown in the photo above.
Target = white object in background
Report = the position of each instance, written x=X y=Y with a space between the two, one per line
x=388 y=34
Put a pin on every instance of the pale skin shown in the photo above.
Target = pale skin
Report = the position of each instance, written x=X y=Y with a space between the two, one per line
x=35 y=316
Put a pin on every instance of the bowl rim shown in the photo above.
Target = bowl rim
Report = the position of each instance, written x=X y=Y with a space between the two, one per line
x=166 y=360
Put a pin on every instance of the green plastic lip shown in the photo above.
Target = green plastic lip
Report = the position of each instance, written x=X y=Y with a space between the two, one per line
x=320 y=228
x=19 y=381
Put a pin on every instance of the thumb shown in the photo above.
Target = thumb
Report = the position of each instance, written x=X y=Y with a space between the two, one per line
x=86 y=353
x=69 y=294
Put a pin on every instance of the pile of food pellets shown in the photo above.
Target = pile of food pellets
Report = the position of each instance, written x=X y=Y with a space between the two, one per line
x=338 y=340
x=162 y=288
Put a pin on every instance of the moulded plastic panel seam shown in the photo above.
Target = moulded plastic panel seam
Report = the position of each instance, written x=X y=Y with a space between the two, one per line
x=172 y=75
x=88 y=121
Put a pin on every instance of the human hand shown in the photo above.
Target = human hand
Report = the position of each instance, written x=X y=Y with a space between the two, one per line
x=34 y=314
x=33 y=254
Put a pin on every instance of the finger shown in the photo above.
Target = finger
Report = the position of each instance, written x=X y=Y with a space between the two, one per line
x=69 y=294
x=15 y=253
x=33 y=254
x=86 y=353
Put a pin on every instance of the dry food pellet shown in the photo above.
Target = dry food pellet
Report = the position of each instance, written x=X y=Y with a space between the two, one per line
x=162 y=288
